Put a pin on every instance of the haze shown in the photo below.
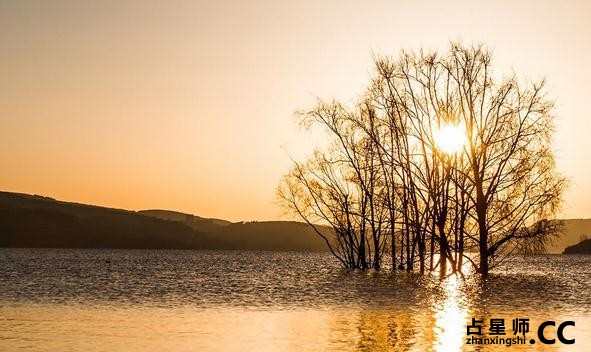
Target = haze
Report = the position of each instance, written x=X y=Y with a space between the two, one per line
x=189 y=105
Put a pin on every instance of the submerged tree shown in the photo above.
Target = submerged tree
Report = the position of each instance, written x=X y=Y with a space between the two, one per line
x=439 y=160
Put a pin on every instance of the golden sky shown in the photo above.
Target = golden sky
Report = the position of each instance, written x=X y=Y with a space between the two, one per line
x=188 y=105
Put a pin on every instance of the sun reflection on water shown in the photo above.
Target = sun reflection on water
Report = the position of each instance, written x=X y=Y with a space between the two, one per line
x=450 y=317
x=229 y=302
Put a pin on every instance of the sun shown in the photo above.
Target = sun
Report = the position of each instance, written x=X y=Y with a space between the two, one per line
x=450 y=138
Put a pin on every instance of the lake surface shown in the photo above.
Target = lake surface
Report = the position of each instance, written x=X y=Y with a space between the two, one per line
x=146 y=300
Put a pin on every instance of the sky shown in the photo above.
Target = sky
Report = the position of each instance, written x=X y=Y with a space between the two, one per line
x=189 y=105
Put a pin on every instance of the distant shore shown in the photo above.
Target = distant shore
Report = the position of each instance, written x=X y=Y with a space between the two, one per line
x=583 y=247
x=43 y=222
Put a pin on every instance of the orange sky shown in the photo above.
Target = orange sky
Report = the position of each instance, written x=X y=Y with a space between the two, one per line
x=188 y=105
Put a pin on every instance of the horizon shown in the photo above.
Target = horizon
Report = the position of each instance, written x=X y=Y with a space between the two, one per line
x=189 y=107
x=193 y=214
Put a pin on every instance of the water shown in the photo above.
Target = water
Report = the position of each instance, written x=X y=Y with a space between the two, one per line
x=145 y=300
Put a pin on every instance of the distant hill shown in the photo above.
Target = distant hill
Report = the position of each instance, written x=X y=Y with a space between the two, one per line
x=574 y=230
x=255 y=235
x=301 y=236
x=195 y=222
x=37 y=221
x=268 y=235
x=583 y=247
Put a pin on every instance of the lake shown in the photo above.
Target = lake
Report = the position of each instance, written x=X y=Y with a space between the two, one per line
x=161 y=300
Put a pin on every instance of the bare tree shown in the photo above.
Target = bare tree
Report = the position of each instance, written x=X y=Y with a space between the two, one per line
x=341 y=188
x=386 y=180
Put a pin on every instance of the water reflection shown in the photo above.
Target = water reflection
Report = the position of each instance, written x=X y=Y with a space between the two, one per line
x=184 y=301
x=451 y=316
x=57 y=328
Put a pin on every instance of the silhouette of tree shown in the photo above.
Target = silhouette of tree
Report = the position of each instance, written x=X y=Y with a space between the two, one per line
x=385 y=180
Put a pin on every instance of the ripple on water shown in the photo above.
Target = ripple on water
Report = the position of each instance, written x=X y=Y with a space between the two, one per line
x=265 y=300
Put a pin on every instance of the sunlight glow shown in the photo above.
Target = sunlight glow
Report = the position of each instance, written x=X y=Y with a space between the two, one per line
x=450 y=139
x=450 y=318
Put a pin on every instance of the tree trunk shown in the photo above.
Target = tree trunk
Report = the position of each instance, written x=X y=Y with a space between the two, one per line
x=483 y=233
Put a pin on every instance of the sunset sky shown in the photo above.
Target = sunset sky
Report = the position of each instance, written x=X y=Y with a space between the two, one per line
x=188 y=105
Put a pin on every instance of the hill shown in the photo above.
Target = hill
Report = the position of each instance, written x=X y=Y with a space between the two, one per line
x=195 y=222
x=583 y=247
x=574 y=230
x=37 y=221
x=267 y=235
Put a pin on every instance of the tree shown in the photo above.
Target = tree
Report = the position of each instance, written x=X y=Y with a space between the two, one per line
x=340 y=188
x=387 y=179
